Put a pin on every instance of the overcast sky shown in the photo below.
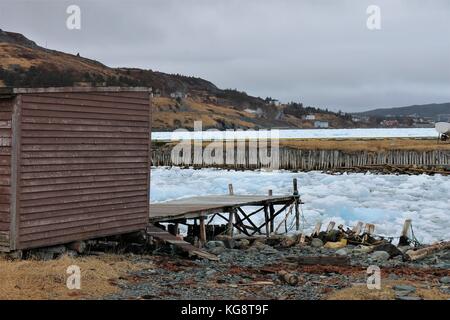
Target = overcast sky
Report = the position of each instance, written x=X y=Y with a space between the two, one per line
x=319 y=52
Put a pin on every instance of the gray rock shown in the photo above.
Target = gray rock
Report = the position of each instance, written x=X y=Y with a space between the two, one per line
x=403 y=249
x=56 y=249
x=214 y=244
x=445 y=280
x=409 y=298
x=380 y=256
x=316 y=243
x=210 y=272
x=404 y=287
x=217 y=250
x=342 y=252
x=389 y=248
x=242 y=244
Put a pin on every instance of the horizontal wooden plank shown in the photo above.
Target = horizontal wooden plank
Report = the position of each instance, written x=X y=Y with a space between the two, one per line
x=92 y=167
x=83 y=147
x=83 y=115
x=84 y=128
x=5 y=170
x=79 y=121
x=80 y=192
x=83 y=229
x=83 y=154
x=5 y=116
x=87 y=108
x=90 y=100
x=81 y=198
x=65 y=161
x=5 y=154
x=4 y=236
x=5 y=133
x=92 y=174
x=4 y=226
x=82 y=141
x=58 y=225
x=83 y=185
x=82 y=236
x=83 y=179
x=73 y=212
x=4 y=190
x=5 y=207
x=82 y=134
x=4 y=217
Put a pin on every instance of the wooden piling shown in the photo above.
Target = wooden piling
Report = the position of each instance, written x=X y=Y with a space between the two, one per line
x=296 y=205
x=202 y=231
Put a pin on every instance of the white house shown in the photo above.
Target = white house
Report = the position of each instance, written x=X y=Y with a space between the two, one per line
x=309 y=117
x=320 y=124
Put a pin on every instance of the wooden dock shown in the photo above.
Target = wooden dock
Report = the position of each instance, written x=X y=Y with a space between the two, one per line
x=196 y=207
x=231 y=208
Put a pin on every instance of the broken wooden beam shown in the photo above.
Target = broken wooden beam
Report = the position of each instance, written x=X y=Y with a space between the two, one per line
x=413 y=255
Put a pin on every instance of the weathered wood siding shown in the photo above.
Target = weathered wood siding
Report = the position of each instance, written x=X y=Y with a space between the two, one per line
x=84 y=166
x=5 y=171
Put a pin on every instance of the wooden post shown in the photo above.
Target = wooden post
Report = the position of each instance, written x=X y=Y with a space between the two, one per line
x=330 y=226
x=231 y=214
x=202 y=231
x=404 y=237
x=230 y=189
x=406 y=228
x=369 y=228
x=296 y=204
x=230 y=224
x=317 y=228
x=266 y=218
x=357 y=228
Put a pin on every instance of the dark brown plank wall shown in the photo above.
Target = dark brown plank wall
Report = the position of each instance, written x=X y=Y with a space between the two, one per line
x=5 y=171
x=84 y=166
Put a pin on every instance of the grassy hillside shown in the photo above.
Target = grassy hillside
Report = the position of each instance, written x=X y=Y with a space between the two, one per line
x=180 y=100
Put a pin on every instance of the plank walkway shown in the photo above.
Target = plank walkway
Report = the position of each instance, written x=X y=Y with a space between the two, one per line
x=182 y=245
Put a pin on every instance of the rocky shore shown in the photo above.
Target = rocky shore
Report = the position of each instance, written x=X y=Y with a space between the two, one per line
x=264 y=268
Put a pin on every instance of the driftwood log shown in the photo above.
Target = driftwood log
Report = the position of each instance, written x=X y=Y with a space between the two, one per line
x=418 y=254
x=287 y=277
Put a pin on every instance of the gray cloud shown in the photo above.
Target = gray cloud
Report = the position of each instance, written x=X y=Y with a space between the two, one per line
x=318 y=51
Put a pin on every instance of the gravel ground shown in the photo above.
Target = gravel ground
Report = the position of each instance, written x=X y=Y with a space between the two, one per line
x=252 y=273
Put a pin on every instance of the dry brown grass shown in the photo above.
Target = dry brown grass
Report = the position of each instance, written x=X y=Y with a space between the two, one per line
x=165 y=116
x=360 y=292
x=366 y=145
x=38 y=280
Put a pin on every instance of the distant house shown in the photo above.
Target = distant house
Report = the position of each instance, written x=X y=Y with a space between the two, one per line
x=390 y=123
x=321 y=124
x=178 y=94
x=309 y=117
x=443 y=117
x=360 y=119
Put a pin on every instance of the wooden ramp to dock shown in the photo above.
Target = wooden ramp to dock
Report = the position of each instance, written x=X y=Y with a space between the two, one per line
x=184 y=246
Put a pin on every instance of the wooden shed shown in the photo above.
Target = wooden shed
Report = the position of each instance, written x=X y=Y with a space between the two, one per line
x=74 y=164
